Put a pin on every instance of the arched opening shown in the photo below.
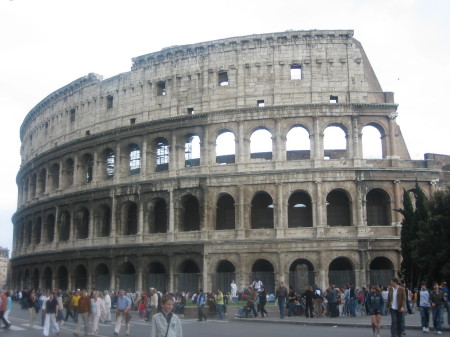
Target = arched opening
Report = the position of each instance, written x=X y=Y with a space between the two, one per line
x=127 y=276
x=371 y=142
x=134 y=153
x=48 y=278
x=263 y=270
x=28 y=233
x=162 y=154
x=157 y=277
x=381 y=271
x=188 y=278
x=37 y=231
x=36 y=275
x=261 y=144
x=340 y=272
x=225 y=148
x=301 y=274
x=88 y=168
x=225 y=273
x=53 y=177
x=192 y=151
x=225 y=212
x=191 y=214
x=26 y=279
x=80 y=275
x=158 y=216
x=42 y=181
x=102 y=277
x=129 y=218
x=68 y=172
x=50 y=228
x=82 y=223
x=338 y=209
x=104 y=221
x=335 y=143
x=262 y=211
x=64 y=226
x=299 y=210
x=298 y=145
x=62 y=278
x=378 y=208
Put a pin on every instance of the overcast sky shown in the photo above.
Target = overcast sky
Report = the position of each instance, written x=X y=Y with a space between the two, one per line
x=46 y=44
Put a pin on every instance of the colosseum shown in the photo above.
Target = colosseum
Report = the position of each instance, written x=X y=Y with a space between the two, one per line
x=216 y=161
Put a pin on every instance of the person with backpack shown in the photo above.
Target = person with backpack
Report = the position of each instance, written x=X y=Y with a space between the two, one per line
x=201 y=300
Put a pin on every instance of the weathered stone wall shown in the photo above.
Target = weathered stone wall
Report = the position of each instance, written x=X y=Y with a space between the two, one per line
x=87 y=219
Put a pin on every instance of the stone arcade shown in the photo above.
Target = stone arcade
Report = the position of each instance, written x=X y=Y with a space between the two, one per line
x=154 y=177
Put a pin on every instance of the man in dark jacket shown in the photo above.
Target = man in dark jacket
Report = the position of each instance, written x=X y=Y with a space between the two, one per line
x=397 y=306
x=281 y=294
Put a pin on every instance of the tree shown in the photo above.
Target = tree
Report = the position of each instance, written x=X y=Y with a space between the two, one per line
x=413 y=219
x=431 y=247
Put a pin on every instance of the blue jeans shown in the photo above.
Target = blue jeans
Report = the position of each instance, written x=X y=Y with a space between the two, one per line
x=291 y=311
x=438 y=316
x=281 y=304
x=219 y=309
x=396 y=323
x=447 y=306
x=425 y=316
x=353 y=307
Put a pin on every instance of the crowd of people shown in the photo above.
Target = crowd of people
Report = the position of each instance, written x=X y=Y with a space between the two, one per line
x=87 y=309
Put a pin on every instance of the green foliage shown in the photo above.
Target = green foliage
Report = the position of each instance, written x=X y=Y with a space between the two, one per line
x=432 y=245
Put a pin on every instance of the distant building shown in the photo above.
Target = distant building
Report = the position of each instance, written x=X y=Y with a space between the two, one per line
x=4 y=266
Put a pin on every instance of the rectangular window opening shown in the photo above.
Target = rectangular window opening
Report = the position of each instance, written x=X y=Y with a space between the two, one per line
x=260 y=103
x=109 y=102
x=296 y=73
x=333 y=99
x=223 y=78
x=161 y=88
x=190 y=111
x=133 y=121
x=72 y=115
x=88 y=133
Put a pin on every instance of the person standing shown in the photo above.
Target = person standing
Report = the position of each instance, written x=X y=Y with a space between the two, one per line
x=424 y=306
x=219 y=302
x=31 y=298
x=437 y=308
x=43 y=299
x=332 y=301
x=8 y=306
x=262 y=296
x=74 y=305
x=107 y=301
x=84 y=310
x=201 y=300
x=281 y=294
x=51 y=310
x=375 y=304
x=318 y=301
x=122 y=313
x=166 y=323
x=233 y=289
x=308 y=297
x=397 y=306
x=444 y=290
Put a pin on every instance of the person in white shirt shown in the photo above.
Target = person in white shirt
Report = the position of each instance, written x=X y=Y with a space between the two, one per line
x=233 y=287
x=107 y=301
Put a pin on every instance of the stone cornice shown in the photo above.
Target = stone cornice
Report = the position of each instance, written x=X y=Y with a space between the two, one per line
x=249 y=41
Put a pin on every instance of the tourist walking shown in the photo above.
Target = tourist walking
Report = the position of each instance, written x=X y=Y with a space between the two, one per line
x=262 y=302
x=201 y=300
x=233 y=288
x=308 y=297
x=437 y=307
x=84 y=310
x=219 y=302
x=375 y=304
x=31 y=299
x=281 y=293
x=444 y=289
x=98 y=311
x=3 y=304
x=8 y=306
x=107 y=300
x=122 y=313
x=166 y=323
x=397 y=306
x=423 y=302
x=51 y=310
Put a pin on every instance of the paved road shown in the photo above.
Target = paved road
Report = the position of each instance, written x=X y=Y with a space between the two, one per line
x=257 y=327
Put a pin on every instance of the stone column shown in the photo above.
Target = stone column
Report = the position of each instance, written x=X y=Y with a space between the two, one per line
x=140 y=224
x=239 y=216
x=174 y=160
x=359 y=204
x=113 y=275
x=205 y=273
x=171 y=229
x=91 y=223
x=317 y=143
x=397 y=201
x=319 y=205
x=139 y=275
x=171 y=272
x=323 y=271
x=96 y=174
x=144 y=157
x=241 y=154
x=280 y=147
x=392 y=127
x=280 y=224
x=355 y=139
x=56 y=227
x=113 y=235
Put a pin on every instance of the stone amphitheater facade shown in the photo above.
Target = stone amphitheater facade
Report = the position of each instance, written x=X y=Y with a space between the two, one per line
x=151 y=177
